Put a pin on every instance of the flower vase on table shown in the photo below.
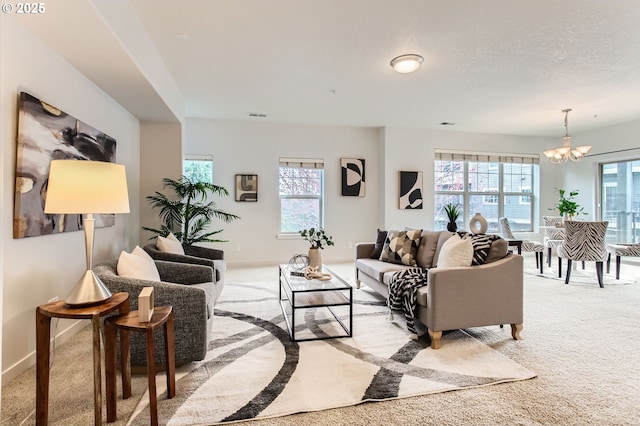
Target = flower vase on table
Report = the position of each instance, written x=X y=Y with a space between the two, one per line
x=315 y=258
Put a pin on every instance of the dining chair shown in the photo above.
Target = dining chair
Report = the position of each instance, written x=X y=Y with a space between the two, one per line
x=585 y=242
x=553 y=237
x=535 y=247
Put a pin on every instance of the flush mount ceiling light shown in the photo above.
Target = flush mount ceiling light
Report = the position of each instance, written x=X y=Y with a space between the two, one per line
x=565 y=153
x=407 y=63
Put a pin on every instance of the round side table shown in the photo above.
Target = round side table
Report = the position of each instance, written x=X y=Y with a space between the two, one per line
x=162 y=316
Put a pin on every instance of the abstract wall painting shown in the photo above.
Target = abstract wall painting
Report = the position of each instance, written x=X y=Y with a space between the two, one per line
x=353 y=178
x=46 y=133
x=246 y=187
x=410 y=190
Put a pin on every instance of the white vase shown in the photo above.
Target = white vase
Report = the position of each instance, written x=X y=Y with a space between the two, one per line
x=478 y=224
x=315 y=258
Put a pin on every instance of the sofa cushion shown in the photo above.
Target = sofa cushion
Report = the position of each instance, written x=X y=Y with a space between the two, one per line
x=137 y=264
x=442 y=238
x=381 y=237
x=456 y=251
x=376 y=269
x=401 y=247
x=499 y=249
x=170 y=244
x=427 y=248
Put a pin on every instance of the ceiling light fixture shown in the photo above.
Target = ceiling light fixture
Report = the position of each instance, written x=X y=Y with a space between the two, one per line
x=407 y=63
x=565 y=153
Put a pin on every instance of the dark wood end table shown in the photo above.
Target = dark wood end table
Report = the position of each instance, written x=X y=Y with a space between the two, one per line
x=162 y=316
x=44 y=313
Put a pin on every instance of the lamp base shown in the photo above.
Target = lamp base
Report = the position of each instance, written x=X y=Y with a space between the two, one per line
x=89 y=290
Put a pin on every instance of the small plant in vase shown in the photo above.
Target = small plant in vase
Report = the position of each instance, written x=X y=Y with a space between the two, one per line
x=566 y=206
x=318 y=239
x=453 y=213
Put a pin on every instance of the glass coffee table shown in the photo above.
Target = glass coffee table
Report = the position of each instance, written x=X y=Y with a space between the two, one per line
x=297 y=293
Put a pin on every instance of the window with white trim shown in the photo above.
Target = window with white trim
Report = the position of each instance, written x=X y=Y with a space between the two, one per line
x=493 y=185
x=198 y=168
x=301 y=189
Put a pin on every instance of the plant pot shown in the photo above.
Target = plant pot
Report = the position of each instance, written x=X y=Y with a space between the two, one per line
x=452 y=227
x=315 y=258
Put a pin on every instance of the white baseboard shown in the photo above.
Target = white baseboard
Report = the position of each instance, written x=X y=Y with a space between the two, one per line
x=30 y=360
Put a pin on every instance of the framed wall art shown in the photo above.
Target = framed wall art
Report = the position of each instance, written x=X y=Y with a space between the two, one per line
x=47 y=133
x=246 y=187
x=410 y=190
x=353 y=177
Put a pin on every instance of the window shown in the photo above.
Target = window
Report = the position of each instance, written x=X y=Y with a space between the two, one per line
x=493 y=185
x=301 y=188
x=199 y=168
x=620 y=200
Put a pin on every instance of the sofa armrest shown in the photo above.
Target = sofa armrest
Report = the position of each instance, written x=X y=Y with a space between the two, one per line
x=204 y=252
x=476 y=295
x=364 y=250
x=184 y=273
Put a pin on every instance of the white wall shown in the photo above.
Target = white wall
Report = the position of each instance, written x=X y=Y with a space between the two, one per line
x=255 y=148
x=610 y=144
x=39 y=268
x=413 y=150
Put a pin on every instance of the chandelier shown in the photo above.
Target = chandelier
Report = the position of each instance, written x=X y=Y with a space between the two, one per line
x=565 y=153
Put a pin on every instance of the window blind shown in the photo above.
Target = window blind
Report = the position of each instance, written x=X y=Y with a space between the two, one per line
x=487 y=157
x=302 y=163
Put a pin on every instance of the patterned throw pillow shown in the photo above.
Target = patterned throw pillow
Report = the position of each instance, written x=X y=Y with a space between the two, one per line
x=377 y=249
x=481 y=245
x=401 y=247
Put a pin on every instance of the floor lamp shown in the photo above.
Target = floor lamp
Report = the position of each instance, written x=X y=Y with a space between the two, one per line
x=87 y=187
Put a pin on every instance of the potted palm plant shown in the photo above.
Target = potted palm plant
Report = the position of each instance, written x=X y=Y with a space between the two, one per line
x=188 y=213
x=317 y=240
x=453 y=213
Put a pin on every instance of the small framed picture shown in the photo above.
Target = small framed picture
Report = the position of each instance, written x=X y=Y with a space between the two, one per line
x=246 y=187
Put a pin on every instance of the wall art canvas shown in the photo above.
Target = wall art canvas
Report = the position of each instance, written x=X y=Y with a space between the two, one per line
x=46 y=133
x=353 y=178
x=410 y=190
x=246 y=187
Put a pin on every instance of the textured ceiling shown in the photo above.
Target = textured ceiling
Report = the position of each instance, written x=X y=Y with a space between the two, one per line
x=498 y=66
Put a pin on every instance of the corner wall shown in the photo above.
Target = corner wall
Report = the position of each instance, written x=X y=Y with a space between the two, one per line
x=37 y=269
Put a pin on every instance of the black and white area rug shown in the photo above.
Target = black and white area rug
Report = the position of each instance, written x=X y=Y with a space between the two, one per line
x=253 y=370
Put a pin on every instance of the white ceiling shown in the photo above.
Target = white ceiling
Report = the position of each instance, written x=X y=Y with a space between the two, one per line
x=497 y=66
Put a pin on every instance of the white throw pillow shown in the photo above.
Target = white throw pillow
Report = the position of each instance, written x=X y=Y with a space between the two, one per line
x=170 y=244
x=137 y=264
x=456 y=251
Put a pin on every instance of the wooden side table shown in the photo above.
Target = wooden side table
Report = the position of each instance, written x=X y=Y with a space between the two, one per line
x=44 y=313
x=162 y=315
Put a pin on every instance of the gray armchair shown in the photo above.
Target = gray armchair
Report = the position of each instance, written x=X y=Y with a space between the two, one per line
x=198 y=256
x=189 y=289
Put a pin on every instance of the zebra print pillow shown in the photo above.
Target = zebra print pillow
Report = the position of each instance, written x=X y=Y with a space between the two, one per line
x=481 y=245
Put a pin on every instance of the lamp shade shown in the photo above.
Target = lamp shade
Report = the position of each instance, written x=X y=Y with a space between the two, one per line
x=79 y=186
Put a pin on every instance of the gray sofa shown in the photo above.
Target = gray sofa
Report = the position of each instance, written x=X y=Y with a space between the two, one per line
x=198 y=256
x=191 y=292
x=455 y=297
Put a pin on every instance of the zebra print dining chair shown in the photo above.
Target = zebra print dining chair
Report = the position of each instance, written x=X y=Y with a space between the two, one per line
x=553 y=237
x=527 y=245
x=585 y=242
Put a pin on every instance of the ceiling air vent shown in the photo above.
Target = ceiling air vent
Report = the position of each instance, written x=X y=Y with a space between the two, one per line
x=255 y=114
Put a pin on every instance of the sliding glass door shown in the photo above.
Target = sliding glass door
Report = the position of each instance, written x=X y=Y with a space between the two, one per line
x=620 y=200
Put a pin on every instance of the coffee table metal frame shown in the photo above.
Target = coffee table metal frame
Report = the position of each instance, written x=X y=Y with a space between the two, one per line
x=300 y=293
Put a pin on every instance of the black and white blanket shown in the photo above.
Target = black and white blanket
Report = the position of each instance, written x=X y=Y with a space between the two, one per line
x=403 y=288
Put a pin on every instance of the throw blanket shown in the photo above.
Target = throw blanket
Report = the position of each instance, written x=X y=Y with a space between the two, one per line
x=403 y=288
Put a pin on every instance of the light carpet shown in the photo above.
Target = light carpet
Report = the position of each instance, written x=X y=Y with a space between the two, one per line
x=254 y=371
x=581 y=276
